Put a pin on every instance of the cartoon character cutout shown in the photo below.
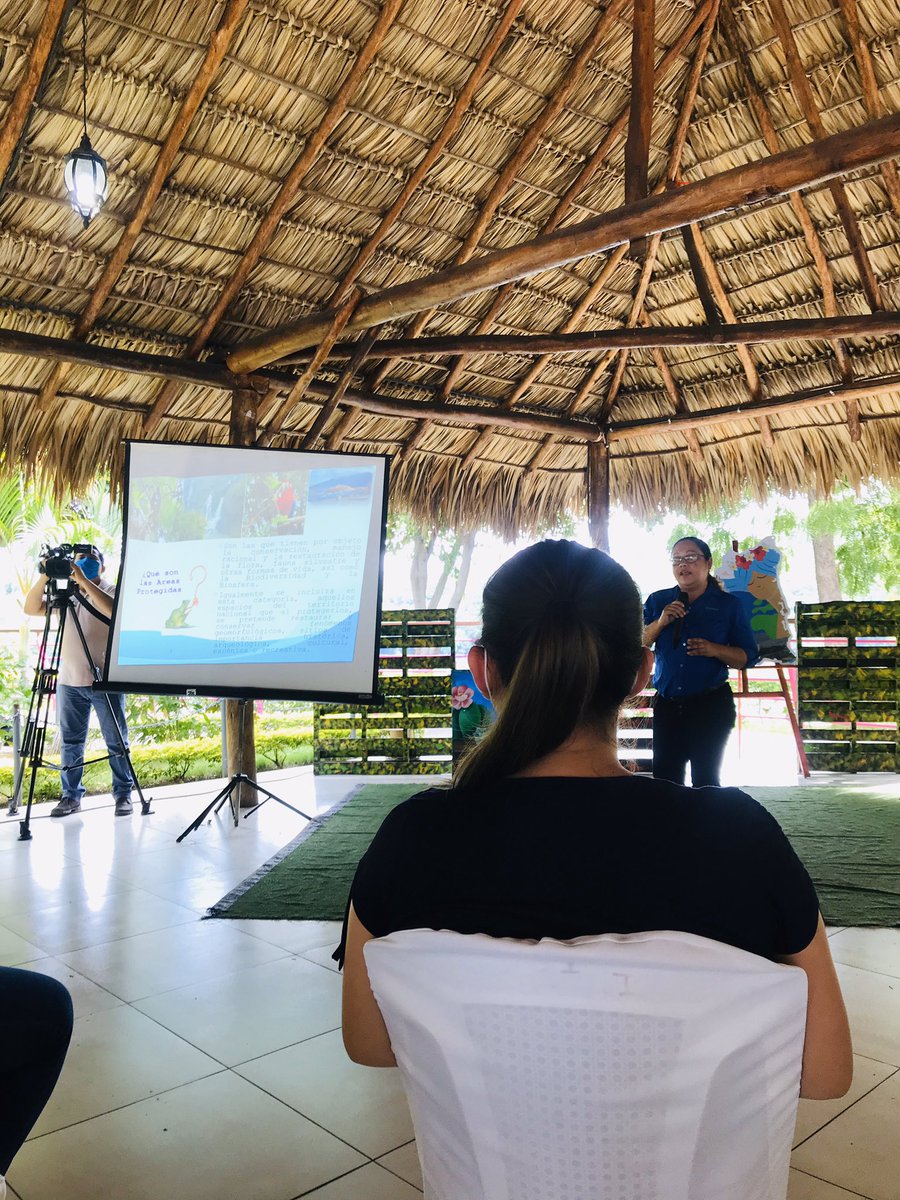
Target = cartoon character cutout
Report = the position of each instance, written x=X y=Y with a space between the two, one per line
x=178 y=617
x=752 y=576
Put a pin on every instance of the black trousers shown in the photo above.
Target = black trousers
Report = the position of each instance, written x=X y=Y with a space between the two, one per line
x=695 y=730
x=36 y=1014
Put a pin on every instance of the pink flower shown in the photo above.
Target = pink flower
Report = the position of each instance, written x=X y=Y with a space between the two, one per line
x=461 y=697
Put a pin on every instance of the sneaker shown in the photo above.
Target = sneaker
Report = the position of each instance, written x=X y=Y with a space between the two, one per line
x=66 y=807
x=124 y=807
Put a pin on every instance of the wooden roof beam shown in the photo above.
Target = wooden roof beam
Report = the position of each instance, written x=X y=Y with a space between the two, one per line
x=807 y=329
x=218 y=46
x=651 y=248
x=286 y=194
x=451 y=125
x=525 y=149
x=735 y=42
x=870 y=91
x=740 y=187
x=52 y=24
x=809 y=108
x=640 y=117
x=665 y=68
x=837 y=393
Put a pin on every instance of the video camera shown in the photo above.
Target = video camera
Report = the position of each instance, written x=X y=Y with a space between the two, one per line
x=56 y=561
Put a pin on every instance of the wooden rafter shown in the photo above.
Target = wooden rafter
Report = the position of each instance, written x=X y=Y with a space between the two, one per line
x=809 y=108
x=870 y=90
x=651 y=248
x=806 y=329
x=676 y=399
x=734 y=39
x=526 y=147
x=451 y=125
x=363 y=346
x=218 y=45
x=215 y=376
x=52 y=22
x=640 y=116
x=860 y=389
x=741 y=187
x=286 y=194
x=281 y=409
x=665 y=68
x=679 y=141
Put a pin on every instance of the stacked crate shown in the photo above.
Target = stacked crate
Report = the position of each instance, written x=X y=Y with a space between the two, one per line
x=849 y=684
x=409 y=732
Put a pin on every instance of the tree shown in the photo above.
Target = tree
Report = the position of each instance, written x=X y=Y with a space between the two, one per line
x=856 y=538
x=453 y=551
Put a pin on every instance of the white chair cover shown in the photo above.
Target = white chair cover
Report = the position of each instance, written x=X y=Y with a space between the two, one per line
x=650 y=1066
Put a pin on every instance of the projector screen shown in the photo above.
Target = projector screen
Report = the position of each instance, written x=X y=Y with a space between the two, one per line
x=249 y=572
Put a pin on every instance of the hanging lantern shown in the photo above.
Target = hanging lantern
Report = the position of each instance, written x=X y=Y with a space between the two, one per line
x=87 y=180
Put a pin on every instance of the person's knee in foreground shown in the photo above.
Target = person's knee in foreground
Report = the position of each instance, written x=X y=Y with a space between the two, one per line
x=34 y=1038
x=75 y=697
x=697 y=631
x=545 y=834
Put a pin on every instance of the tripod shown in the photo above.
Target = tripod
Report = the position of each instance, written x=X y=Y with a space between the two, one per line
x=59 y=599
x=228 y=794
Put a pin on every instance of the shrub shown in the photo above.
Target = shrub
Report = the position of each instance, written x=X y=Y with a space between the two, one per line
x=173 y=762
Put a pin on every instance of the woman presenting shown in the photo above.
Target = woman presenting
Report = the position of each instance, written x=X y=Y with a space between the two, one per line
x=697 y=632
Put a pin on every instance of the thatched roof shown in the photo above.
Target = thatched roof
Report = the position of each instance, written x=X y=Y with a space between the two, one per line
x=258 y=151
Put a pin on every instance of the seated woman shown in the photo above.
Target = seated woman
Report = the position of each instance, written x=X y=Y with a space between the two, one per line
x=544 y=834
x=34 y=1038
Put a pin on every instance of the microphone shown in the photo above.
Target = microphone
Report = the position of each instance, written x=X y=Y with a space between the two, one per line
x=678 y=623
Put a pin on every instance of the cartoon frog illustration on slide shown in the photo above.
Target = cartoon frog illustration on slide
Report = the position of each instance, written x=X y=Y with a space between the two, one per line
x=178 y=617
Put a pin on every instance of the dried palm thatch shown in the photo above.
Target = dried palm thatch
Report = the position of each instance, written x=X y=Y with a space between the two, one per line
x=365 y=177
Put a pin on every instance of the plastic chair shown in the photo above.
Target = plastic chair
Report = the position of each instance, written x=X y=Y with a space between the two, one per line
x=650 y=1066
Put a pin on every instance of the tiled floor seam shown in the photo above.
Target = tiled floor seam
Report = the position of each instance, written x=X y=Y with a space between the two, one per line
x=843 y=1111
x=868 y=970
x=129 y=1104
x=318 y=1124
x=821 y=1179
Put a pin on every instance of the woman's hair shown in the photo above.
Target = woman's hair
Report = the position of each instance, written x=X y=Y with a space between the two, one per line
x=562 y=625
x=707 y=554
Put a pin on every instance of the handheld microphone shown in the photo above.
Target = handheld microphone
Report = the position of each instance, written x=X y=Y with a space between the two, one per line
x=678 y=623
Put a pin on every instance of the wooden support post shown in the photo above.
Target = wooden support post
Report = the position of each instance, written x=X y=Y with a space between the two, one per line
x=640 y=117
x=598 y=493
x=239 y=729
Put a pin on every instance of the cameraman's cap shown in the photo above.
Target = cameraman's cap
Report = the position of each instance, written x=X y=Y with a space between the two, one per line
x=99 y=553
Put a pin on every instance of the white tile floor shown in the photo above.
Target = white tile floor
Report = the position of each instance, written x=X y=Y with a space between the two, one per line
x=207 y=1063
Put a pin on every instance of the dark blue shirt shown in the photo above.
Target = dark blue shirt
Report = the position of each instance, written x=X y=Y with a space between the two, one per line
x=716 y=616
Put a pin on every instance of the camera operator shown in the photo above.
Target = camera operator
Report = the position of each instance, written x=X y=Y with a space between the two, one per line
x=75 y=696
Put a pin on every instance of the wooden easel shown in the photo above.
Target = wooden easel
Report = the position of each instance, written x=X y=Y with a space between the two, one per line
x=743 y=690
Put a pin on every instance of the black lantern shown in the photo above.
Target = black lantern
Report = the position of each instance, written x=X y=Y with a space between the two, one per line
x=87 y=180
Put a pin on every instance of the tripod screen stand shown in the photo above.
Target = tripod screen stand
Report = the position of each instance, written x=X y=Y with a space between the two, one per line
x=59 y=599
x=231 y=793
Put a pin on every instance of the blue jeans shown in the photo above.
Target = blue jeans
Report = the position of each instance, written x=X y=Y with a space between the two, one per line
x=73 y=711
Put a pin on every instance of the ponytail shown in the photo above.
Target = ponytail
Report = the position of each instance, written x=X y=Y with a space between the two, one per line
x=563 y=626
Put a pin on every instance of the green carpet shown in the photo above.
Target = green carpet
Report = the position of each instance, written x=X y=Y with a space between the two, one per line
x=848 y=835
x=309 y=879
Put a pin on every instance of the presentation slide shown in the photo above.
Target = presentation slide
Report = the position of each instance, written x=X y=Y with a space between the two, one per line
x=249 y=571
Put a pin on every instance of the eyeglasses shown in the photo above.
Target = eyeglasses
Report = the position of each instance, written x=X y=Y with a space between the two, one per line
x=678 y=559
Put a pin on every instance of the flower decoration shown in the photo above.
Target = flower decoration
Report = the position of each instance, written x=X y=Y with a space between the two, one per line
x=462 y=697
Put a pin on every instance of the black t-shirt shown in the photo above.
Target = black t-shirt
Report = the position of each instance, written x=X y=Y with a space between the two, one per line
x=565 y=857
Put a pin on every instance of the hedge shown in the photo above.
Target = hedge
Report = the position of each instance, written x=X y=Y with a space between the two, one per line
x=172 y=762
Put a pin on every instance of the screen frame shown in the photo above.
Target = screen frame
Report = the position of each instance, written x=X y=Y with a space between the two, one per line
x=154 y=688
